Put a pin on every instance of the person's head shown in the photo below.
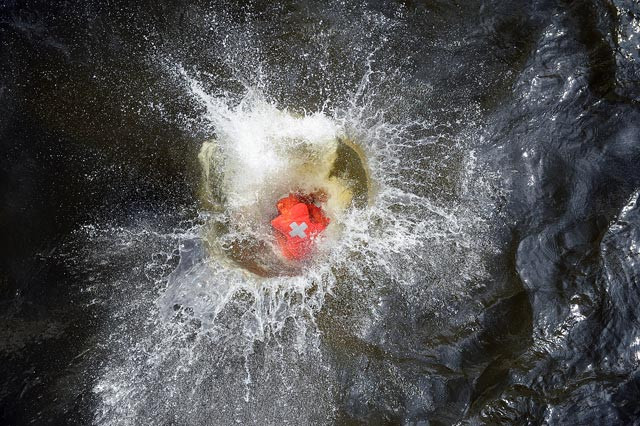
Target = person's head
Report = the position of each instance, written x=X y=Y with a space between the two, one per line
x=317 y=196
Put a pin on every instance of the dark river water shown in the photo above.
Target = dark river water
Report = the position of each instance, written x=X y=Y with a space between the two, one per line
x=483 y=261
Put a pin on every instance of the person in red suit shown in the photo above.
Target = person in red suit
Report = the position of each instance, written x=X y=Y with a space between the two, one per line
x=299 y=223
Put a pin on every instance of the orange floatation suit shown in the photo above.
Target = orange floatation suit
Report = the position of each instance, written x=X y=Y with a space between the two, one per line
x=298 y=225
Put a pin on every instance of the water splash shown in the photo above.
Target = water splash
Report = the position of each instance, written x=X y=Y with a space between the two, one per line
x=214 y=331
x=261 y=326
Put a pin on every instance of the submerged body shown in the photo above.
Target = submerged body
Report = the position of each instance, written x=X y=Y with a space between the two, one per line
x=325 y=169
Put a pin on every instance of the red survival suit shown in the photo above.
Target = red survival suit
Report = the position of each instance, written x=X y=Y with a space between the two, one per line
x=298 y=224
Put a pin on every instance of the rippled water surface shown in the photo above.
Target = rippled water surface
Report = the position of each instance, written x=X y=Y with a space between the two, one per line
x=482 y=162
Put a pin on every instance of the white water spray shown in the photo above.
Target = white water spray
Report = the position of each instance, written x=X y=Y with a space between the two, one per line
x=235 y=336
